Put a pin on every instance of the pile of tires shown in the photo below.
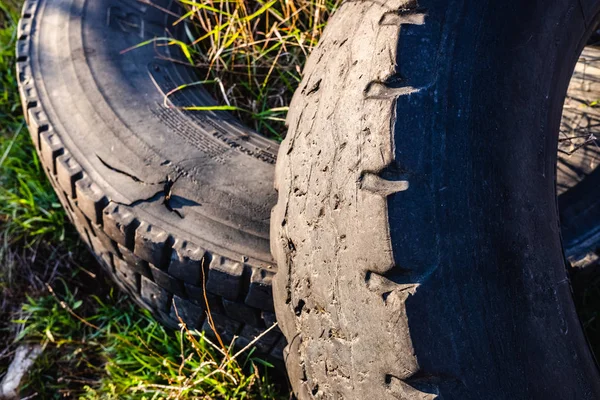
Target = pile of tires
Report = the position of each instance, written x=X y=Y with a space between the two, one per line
x=415 y=225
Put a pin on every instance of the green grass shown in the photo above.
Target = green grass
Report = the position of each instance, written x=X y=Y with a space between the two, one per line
x=104 y=347
x=251 y=53
x=97 y=343
x=28 y=206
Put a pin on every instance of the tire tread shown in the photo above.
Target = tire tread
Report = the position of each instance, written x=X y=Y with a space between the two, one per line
x=159 y=271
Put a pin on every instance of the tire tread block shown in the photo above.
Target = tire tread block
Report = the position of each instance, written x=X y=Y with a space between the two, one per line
x=264 y=341
x=260 y=293
x=50 y=147
x=127 y=275
x=241 y=312
x=225 y=278
x=166 y=281
x=191 y=314
x=68 y=171
x=154 y=296
x=119 y=224
x=187 y=261
x=152 y=244
x=226 y=327
x=90 y=199
x=137 y=264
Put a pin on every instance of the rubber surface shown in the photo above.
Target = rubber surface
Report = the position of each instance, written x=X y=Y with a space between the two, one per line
x=171 y=202
x=417 y=231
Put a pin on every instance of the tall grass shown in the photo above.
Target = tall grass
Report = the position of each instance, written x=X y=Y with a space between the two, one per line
x=253 y=53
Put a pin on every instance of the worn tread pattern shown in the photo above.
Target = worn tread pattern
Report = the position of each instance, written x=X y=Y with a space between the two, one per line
x=330 y=299
x=162 y=273
x=402 y=274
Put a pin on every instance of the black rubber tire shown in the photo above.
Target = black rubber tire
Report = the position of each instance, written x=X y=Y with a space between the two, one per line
x=98 y=122
x=417 y=232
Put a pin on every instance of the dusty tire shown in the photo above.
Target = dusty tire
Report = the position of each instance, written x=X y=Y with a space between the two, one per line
x=107 y=143
x=417 y=231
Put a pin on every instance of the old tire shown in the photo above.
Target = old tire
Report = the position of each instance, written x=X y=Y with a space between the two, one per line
x=108 y=144
x=417 y=231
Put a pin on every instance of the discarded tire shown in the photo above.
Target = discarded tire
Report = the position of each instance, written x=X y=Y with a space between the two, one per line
x=417 y=231
x=170 y=202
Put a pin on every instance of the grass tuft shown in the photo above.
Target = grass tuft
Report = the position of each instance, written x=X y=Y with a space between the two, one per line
x=105 y=347
x=252 y=53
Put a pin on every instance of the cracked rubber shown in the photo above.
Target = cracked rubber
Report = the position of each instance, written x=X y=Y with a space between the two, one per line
x=416 y=231
x=170 y=202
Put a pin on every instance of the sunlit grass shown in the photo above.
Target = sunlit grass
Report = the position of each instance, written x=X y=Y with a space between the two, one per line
x=29 y=208
x=107 y=348
x=251 y=53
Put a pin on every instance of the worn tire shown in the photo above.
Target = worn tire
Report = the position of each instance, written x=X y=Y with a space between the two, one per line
x=107 y=143
x=417 y=232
